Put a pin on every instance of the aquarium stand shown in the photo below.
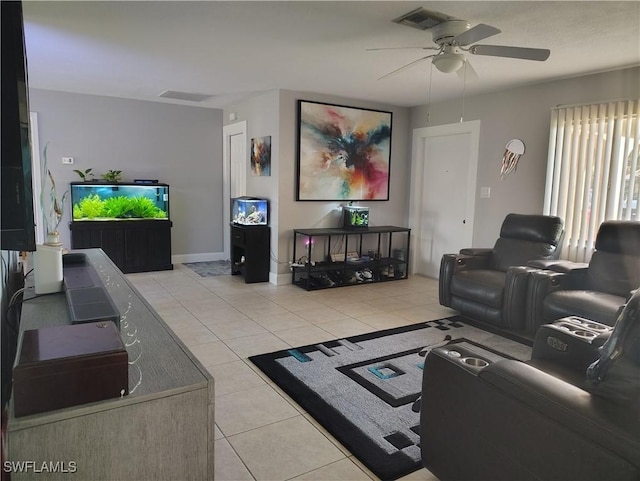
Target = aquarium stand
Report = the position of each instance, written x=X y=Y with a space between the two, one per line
x=133 y=245
x=337 y=257
x=250 y=247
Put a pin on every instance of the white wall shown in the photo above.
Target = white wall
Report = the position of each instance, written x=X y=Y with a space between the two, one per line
x=177 y=144
x=521 y=113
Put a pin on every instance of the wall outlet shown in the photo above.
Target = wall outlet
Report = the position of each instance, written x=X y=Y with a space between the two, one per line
x=67 y=160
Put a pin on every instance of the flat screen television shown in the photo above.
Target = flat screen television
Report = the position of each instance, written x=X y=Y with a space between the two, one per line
x=16 y=216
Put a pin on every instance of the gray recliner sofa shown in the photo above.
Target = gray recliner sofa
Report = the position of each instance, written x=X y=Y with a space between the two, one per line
x=597 y=290
x=571 y=413
x=490 y=285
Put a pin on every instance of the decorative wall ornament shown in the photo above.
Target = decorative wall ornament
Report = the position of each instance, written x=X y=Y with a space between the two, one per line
x=261 y=156
x=513 y=151
x=344 y=153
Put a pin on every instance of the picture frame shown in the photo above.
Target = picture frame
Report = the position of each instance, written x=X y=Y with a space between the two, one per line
x=261 y=156
x=343 y=153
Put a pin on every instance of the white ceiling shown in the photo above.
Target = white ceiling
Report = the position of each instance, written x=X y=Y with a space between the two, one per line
x=231 y=49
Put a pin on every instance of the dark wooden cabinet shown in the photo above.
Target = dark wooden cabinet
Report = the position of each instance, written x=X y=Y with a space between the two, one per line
x=134 y=246
x=250 y=247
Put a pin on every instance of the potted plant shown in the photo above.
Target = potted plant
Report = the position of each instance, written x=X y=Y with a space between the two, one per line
x=112 y=176
x=85 y=175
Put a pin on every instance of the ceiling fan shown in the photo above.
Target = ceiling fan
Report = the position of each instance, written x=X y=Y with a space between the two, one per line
x=454 y=38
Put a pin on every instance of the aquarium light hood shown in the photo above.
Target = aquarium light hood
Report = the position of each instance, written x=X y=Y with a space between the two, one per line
x=188 y=96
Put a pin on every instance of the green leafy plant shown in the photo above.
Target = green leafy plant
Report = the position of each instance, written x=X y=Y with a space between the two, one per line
x=118 y=207
x=144 y=208
x=90 y=207
x=112 y=175
x=85 y=175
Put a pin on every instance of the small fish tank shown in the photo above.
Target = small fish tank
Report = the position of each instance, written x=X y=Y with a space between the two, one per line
x=355 y=217
x=249 y=211
x=108 y=201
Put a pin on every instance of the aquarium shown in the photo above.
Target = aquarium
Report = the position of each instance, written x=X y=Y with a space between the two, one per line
x=100 y=201
x=249 y=211
x=355 y=216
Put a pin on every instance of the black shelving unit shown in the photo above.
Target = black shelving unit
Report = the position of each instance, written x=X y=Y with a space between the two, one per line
x=389 y=262
x=250 y=247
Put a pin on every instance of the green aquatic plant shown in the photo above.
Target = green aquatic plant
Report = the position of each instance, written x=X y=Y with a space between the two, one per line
x=88 y=208
x=144 y=208
x=119 y=207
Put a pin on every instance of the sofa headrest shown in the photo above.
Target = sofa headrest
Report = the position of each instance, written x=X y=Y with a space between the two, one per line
x=535 y=228
x=619 y=237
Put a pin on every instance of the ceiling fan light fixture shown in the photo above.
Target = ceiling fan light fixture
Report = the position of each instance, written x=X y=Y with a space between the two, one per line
x=449 y=62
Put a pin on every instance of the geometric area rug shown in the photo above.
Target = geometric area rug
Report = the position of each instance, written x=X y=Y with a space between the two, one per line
x=362 y=388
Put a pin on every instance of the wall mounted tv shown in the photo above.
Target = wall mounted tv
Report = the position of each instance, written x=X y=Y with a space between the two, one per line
x=16 y=216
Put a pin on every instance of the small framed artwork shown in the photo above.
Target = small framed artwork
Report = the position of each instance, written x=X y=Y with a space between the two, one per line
x=261 y=156
x=344 y=153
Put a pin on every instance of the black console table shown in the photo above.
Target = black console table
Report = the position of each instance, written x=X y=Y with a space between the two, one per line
x=349 y=256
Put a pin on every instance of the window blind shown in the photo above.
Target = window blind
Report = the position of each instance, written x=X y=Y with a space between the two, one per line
x=592 y=170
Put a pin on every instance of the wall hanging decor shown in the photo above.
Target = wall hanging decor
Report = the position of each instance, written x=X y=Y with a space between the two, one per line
x=513 y=151
x=261 y=156
x=344 y=153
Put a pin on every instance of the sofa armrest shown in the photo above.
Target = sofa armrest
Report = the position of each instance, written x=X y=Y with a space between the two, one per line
x=447 y=266
x=557 y=265
x=452 y=263
x=476 y=251
x=560 y=345
x=515 y=296
x=466 y=262
x=596 y=419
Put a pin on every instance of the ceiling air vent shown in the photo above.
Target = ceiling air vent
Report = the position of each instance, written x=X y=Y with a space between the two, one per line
x=422 y=19
x=188 y=96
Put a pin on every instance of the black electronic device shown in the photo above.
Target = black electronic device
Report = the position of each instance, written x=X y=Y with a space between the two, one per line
x=16 y=218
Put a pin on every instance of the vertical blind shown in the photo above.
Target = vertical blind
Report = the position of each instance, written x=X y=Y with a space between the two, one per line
x=593 y=171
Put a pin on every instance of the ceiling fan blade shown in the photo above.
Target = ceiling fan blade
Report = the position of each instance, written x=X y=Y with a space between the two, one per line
x=411 y=64
x=475 y=34
x=467 y=73
x=540 y=54
x=401 y=48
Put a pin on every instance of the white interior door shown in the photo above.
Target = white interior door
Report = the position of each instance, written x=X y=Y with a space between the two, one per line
x=444 y=170
x=234 y=172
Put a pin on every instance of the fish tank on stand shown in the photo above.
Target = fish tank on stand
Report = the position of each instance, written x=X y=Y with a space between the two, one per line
x=250 y=238
x=128 y=220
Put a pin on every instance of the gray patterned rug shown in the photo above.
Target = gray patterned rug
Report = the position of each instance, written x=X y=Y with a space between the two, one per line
x=210 y=268
x=362 y=388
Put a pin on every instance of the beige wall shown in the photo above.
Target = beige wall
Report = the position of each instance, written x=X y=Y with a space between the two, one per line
x=287 y=213
x=177 y=144
x=521 y=113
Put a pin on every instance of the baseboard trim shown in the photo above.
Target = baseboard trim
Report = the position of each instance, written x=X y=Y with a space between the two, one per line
x=203 y=257
x=280 y=279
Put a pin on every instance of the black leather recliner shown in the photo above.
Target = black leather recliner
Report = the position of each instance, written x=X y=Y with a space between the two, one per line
x=597 y=290
x=571 y=413
x=490 y=285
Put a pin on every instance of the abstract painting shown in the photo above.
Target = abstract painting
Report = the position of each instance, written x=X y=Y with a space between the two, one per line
x=261 y=156
x=344 y=152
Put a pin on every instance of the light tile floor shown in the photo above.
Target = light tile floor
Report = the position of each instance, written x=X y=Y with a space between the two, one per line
x=261 y=434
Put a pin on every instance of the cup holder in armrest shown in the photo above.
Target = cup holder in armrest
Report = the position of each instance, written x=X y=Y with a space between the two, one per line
x=585 y=334
x=474 y=362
